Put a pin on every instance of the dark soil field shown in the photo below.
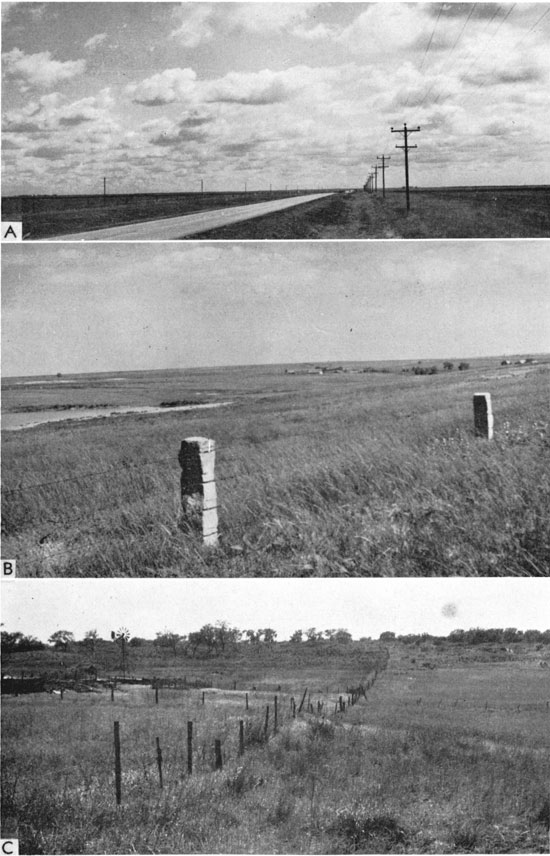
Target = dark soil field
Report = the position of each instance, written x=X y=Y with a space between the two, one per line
x=49 y=216
x=448 y=752
x=446 y=213
x=355 y=472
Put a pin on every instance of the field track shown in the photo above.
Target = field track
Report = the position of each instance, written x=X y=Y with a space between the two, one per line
x=172 y=228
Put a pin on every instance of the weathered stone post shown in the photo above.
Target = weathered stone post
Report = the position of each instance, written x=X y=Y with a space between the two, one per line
x=198 y=487
x=483 y=415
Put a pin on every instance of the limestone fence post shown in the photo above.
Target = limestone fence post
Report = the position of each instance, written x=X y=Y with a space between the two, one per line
x=198 y=487
x=483 y=415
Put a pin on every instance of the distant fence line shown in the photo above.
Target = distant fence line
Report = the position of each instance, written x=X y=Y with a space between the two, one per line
x=198 y=491
x=251 y=731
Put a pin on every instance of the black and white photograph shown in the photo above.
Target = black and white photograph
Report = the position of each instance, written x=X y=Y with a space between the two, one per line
x=275 y=345
x=158 y=121
x=276 y=716
x=277 y=409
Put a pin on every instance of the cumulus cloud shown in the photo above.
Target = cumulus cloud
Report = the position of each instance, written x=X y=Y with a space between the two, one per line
x=191 y=128
x=173 y=84
x=39 y=69
x=48 y=152
x=195 y=24
x=266 y=17
x=262 y=87
x=54 y=111
x=95 y=41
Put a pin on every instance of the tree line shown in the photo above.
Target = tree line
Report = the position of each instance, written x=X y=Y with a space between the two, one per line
x=218 y=638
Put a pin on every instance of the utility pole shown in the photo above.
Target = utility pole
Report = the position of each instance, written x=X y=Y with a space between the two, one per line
x=406 y=131
x=202 y=185
x=375 y=168
x=104 y=190
x=384 y=167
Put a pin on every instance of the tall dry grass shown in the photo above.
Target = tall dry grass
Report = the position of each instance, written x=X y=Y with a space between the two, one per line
x=438 y=762
x=369 y=475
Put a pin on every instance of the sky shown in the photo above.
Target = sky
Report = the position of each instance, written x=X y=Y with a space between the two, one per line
x=364 y=607
x=119 y=307
x=159 y=96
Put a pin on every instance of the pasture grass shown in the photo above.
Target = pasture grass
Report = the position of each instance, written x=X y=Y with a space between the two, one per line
x=446 y=213
x=343 y=475
x=447 y=761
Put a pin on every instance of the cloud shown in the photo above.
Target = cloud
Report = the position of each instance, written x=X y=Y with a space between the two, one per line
x=195 y=26
x=313 y=34
x=52 y=111
x=262 y=87
x=39 y=69
x=95 y=41
x=48 y=152
x=191 y=128
x=265 y=17
x=173 y=84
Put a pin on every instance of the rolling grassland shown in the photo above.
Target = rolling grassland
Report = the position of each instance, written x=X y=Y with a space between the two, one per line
x=351 y=474
x=453 y=758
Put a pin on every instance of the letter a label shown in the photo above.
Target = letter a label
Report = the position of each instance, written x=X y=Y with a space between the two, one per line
x=12 y=232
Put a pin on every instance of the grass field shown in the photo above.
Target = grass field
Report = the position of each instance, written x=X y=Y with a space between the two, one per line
x=446 y=213
x=351 y=474
x=451 y=759
x=48 y=216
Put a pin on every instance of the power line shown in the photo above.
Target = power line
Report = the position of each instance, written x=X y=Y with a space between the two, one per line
x=449 y=55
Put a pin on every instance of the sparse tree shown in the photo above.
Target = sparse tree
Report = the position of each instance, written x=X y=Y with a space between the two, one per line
x=269 y=635
x=90 y=639
x=448 y=366
x=226 y=635
x=313 y=635
x=61 y=639
x=296 y=636
x=343 y=636
x=12 y=642
x=387 y=636
x=253 y=636
x=462 y=367
x=168 y=639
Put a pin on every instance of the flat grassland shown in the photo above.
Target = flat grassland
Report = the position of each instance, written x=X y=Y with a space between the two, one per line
x=48 y=216
x=453 y=758
x=374 y=473
x=498 y=212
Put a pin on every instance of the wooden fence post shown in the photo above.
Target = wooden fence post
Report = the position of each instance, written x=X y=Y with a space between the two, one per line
x=266 y=722
x=246 y=702
x=218 y=754
x=302 y=702
x=241 y=737
x=275 y=715
x=483 y=415
x=198 y=487
x=159 y=762
x=118 y=767
x=156 y=694
x=189 y=747
x=112 y=692
x=203 y=696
